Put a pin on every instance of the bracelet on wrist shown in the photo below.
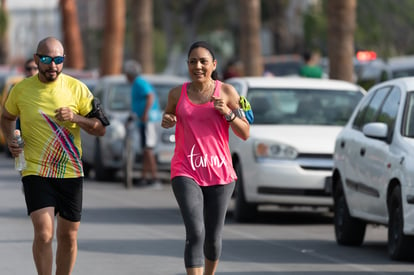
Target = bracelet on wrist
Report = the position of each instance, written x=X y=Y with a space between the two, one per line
x=233 y=117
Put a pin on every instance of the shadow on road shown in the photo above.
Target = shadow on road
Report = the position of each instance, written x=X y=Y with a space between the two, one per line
x=132 y=215
x=289 y=217
x=285 y=251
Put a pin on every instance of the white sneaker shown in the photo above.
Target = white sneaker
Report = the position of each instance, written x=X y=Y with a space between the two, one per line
x=155 y=184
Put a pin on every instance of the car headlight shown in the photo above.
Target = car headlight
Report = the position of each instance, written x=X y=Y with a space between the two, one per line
x=115 y=131
x=274 y=150
x=168 y=137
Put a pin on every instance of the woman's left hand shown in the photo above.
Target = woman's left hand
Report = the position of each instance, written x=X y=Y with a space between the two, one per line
x=220 y=105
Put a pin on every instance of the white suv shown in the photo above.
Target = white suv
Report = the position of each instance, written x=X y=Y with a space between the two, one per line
x=373 y=175
x=287 y=160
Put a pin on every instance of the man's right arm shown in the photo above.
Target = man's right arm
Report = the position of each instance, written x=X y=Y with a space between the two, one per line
x=8 y=125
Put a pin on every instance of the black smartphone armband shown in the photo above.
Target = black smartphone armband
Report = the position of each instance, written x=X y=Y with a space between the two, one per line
x=98 y=112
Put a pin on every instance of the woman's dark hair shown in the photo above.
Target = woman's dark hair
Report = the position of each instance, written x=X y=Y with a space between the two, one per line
x=205 y=45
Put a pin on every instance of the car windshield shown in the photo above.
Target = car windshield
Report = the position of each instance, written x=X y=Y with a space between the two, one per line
x=302 y=107
x=162 y=91
x=119 y=97
x=283 y=68
x=403 y=72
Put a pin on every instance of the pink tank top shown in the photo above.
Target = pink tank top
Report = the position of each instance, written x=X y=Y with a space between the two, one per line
x=202 y=142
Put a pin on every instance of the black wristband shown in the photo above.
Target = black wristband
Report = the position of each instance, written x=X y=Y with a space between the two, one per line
x=232 y=118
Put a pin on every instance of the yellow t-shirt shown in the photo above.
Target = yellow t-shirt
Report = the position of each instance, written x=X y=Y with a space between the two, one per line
x=52 y=148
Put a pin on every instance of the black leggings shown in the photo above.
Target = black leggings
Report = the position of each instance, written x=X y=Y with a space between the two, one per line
x=204 y=211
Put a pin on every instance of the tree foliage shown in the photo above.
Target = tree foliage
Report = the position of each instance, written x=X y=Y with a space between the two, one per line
x=4 y=21
x=383 y=26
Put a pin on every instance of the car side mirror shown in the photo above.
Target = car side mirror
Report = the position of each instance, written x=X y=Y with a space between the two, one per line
x=376 y=130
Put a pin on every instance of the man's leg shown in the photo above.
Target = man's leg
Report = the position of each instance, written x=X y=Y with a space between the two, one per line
x=67 y=246
x=149 y=158
x=151 y=163
x=43 y=224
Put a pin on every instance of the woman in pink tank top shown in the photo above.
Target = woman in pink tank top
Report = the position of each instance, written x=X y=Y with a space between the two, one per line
x=202 y=172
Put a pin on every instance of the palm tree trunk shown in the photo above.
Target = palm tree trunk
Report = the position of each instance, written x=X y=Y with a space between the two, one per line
x=114 y=33
x=342 y=23
x=143 y=30
x=72 y=39
x=250 y=46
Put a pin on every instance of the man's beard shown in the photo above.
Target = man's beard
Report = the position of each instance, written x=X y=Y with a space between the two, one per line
x=46 y=74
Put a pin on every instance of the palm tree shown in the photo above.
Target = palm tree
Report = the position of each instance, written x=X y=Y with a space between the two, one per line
x=71 y=35
x=4 y=40
x=142 y=34
x=341 y=28
x=250 y=46
x=114 y=33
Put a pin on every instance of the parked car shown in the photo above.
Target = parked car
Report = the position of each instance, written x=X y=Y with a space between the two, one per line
x=401 y=66
x=106 y=155
x=373 y=175
x=287 y=160
x=282 y=65
x=368 y=69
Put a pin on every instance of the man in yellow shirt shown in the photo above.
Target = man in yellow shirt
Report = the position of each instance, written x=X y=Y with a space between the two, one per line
x=53 y=108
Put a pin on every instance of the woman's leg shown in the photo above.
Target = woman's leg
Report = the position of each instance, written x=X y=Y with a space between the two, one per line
x=190 y=200
x=216 y=202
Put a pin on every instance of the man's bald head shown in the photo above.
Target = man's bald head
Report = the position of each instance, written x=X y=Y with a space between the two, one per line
x=50 y=44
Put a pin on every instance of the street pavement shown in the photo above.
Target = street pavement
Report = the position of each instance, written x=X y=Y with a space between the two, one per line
x=137 y=231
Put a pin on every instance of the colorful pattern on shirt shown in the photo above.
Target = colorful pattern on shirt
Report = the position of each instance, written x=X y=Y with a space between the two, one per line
x=56 y=161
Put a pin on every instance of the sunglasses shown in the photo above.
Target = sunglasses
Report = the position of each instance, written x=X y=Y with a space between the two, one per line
x=32 y=68
x=45 y=59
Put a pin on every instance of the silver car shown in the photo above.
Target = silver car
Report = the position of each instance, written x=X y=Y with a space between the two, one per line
x=107 y=155
x=287 y=160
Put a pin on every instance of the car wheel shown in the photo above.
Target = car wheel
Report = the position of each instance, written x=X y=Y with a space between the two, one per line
x=348 y=230
x=243 y=211
x=129 y=163
x=400 y=246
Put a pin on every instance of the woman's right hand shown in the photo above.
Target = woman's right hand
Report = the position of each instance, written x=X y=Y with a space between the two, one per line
x=168 y=120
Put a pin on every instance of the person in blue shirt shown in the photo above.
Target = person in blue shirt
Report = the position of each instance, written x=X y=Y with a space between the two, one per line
x=145 y=105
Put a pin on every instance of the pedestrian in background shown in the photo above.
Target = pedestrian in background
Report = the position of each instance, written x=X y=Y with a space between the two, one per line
x=145 y=105
x=53 y=108
x=30 y=67
x=202 y=173
x=311 y=67
x=233 y=68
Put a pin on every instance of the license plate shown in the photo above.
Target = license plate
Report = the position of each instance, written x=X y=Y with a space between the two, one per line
x=165 y=157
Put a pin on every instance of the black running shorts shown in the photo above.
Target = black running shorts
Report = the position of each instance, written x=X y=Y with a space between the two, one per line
x=65 y=195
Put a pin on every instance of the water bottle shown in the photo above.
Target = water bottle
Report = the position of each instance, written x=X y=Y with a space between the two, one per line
x=19 y=161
